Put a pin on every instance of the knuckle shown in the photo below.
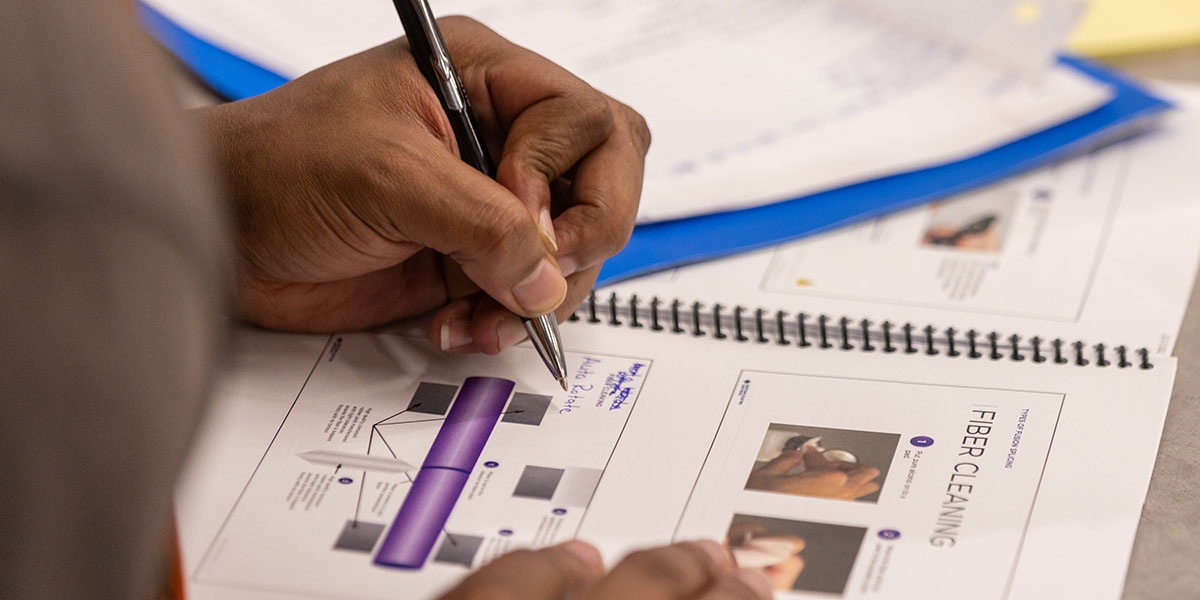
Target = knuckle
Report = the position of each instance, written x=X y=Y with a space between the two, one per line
x=461 y=22
x=611 y=229
x=494 y=226
x=669 y=566
x=593 y=109
x=541 y=155
x=638 y=128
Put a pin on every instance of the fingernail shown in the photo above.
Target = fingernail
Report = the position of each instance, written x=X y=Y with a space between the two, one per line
x=542 y=290
x=567 y=266
x=455 y=334
x=510 y=331
x=755 y=580
x=584 y=552
x=719 y=555
x=546 y=226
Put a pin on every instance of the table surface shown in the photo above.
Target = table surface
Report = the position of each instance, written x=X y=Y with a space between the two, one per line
x=1166 y=553
x=1167 y=550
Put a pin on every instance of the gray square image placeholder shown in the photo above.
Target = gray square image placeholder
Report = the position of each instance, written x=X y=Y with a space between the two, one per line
x=358 y=536
x=458 y=549
x=538 y=482
x=432 y=398
x=527 y=409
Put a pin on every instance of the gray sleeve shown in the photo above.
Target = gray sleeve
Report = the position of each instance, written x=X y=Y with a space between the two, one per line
x=112 y=287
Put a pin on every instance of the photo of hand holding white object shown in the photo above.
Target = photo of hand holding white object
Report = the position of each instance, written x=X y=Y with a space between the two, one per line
x=822 y=462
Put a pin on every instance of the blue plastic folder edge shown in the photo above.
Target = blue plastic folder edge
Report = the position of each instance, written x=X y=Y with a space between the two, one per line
x=229 y=75
x=658 y=246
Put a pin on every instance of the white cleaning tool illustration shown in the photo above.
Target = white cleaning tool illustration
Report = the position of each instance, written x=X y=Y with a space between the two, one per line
x=357 y=462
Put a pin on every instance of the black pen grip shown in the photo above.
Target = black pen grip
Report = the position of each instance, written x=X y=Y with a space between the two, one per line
x=471 y=148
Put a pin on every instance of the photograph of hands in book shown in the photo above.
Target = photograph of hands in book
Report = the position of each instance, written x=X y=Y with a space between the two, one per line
x=798 y=460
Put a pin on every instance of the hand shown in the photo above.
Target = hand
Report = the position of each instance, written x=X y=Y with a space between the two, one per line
x=777 y=557
x=985 y=241
x=352 y=207
x=821 y=478
x=685 y=571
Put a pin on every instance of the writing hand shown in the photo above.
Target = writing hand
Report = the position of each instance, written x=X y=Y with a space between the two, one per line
x=821 y=478
x=352 y=207
x=684 y=571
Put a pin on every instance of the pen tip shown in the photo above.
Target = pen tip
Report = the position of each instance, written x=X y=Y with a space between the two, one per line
x=563 y=382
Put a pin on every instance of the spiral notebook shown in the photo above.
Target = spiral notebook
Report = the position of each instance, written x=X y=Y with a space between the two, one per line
x=1073 y=262
x=839 y=474
x=910 y=442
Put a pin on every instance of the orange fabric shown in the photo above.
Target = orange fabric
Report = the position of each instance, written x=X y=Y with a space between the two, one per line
x=172 y=584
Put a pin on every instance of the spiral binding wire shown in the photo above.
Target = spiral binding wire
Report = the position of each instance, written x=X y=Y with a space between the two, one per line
x=805 y=330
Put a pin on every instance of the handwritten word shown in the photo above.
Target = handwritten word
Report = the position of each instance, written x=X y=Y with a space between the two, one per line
x=574 y=397
x=586 y=368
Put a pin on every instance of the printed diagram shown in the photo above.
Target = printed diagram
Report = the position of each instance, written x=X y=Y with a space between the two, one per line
x=392 y=461
x=1040 y=234
x=828 y=489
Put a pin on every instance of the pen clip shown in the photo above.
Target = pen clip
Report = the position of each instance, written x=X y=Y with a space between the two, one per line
x=439 y=58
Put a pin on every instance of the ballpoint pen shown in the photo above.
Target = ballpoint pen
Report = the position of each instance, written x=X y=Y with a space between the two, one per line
x=425 y=40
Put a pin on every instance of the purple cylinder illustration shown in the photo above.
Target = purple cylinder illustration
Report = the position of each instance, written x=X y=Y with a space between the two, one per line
x=440 y=481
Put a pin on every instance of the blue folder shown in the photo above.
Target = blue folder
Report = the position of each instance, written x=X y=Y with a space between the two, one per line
x=668 y=244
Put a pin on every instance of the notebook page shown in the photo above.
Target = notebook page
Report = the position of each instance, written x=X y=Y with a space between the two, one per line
x=977 y=475
x=749 y=103
x=1101 y=248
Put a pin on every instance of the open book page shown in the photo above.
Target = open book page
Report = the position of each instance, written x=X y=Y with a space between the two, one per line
x=750 y=102
x=1100 y=248
x=839 y=474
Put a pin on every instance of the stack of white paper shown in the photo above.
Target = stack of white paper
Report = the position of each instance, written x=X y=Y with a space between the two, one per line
x=749 y=102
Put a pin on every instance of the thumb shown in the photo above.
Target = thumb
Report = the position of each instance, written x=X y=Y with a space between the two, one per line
x=562 y=571
x=815 y=461
x=780 y=465
x=486 y=230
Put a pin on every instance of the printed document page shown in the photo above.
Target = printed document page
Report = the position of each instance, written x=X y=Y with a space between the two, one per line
x=1101 y=248
x=839 y=474
x=750 y=102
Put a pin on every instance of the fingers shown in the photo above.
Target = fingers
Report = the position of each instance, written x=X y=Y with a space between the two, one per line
x=480 y=324
x=553 y=123
x=861 y=475
x=381 y=296
x=700 y=570
x=858 y=481
x=783 y=463
x=548 y=137
x=683 y=570
x=783 y=575
x=742 y=584
x=866 y=488
x=606 y=188
x=548 y=118
x=797 y=543
x=550 y=574
x=814 y=460
x=485 y=230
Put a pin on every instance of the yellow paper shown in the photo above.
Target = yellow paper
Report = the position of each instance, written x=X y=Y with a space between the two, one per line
x=1113 y=27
